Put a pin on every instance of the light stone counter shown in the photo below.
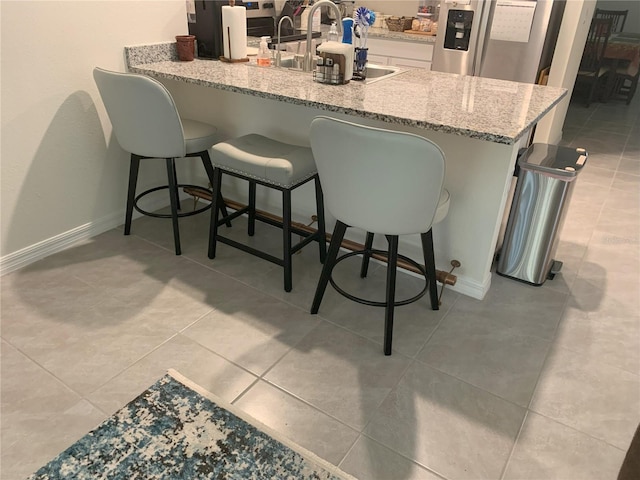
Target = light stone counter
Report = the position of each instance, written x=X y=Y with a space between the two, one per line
x=493 y=110
x=479 y=123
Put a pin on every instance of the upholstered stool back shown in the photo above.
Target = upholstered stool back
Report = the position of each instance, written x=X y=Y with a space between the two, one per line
x=146 y=123
x=384 y=182
x=381 y=181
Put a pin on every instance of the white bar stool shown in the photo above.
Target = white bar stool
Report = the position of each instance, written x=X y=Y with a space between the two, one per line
x=277 y=165
x=146 y=123
x=389 y=183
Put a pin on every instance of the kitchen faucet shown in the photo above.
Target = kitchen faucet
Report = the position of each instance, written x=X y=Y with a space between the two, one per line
x=278 y=55
x=307 y=63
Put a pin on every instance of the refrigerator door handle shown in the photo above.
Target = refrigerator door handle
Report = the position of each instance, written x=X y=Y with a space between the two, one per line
x=478 y=54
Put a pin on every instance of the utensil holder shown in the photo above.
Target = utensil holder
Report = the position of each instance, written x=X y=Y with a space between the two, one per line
x=186 y=45
x=360 y=63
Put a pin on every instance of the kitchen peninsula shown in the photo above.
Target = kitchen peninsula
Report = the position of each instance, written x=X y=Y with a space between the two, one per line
x=479 y=123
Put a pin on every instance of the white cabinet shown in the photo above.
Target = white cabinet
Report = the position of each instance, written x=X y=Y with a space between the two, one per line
x=399 y=53
x=409 y=63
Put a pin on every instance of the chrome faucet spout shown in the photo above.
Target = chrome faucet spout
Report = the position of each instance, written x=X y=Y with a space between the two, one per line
x=307 y=64
x=278 y=55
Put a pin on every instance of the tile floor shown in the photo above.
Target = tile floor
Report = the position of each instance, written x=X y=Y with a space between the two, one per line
x=530 y=383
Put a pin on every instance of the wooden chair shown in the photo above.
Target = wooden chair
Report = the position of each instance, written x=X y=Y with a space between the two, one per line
x=626 y=83
x=618 y=18
x=592 y=69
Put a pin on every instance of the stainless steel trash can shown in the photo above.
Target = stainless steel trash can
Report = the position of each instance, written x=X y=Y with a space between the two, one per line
x=546 y=178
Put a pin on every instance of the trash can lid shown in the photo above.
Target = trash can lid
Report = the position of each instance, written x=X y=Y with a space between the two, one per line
x=553 y=159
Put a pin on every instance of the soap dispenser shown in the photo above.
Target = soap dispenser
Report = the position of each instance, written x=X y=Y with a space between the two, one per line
x=264 y=56
x=332 y=36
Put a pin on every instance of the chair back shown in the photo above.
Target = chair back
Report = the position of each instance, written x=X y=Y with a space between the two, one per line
x=379 y=180
x=618 y=18
x=143 y=114
x=596 y=44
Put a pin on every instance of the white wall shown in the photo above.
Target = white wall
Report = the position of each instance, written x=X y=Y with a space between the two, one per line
x=407 y=8
x=60 y=171
x=564 y=67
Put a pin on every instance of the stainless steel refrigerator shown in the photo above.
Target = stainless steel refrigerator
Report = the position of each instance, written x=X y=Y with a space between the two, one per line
x=502 y=39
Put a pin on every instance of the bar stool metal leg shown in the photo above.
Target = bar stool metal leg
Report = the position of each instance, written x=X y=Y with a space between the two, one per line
x=251 y=229
x=208 y=166
x=430 y=267
x=173 y=197
x=322 y=239
x=286 y=239
x=134 y=167
x=368 y=244
x=175 y=179
x=216 y=200
x=392 y=264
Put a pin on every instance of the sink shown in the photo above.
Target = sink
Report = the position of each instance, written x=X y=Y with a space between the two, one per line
x=375 y=73
x=294 y=62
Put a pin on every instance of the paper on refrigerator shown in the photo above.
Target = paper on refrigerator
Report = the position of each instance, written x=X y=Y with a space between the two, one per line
x=512 y=20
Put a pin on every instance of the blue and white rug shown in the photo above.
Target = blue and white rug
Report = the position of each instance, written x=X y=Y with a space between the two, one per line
x=177 y=430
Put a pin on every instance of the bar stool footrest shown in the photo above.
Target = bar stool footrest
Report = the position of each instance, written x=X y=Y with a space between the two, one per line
x=373 y=303
x=168 y=215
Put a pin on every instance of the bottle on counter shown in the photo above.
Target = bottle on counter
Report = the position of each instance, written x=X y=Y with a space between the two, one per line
x=264 y=55
x=347 y=30
x=332 y=36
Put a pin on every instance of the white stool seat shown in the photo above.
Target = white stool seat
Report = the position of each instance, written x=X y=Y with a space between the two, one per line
x=276 y=165
x=265 y=159
x=443 y=206
x=198 y=136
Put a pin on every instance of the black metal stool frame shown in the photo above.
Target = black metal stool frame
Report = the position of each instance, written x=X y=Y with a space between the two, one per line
x=173 y=185
x=287 y=229
x=429 y=272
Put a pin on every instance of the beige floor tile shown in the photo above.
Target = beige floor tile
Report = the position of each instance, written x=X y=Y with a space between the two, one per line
x=97 y=343
x=629 y=165
x=600 y=171
x=205 y=368
x=40 y=415
x=587 y=394
x=446 y=425
x=252 y=330
x=354 y=380
x=298 y=421
x=625 y=200
x=602 y=338
x=373 y=461
x=488 y=354
x=549 y=450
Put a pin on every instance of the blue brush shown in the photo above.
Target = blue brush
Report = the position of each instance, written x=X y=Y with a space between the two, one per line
x=364 y=18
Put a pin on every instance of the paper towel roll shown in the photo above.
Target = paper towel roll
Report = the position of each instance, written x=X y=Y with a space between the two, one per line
x=234 y=32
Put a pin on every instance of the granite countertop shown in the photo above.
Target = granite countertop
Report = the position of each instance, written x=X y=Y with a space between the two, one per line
x=387 y=34
x=492 y=110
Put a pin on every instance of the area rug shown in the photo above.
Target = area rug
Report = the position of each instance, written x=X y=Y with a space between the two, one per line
x=177 y=430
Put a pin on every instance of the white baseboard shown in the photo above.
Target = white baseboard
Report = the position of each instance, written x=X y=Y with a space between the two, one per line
x=26 y=256
x=471 y=288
